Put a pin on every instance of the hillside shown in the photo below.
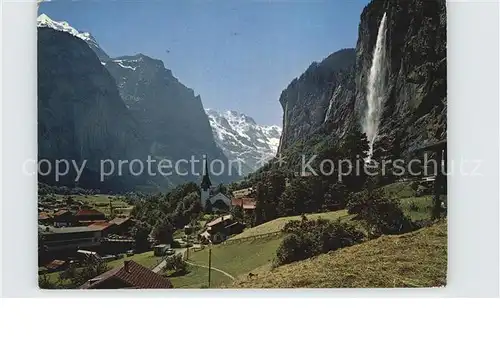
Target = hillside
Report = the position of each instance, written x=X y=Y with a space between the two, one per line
x=416 y=259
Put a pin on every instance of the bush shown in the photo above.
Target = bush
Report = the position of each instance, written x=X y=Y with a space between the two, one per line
x=176 y=265
x=383 y=214
x=305 y=239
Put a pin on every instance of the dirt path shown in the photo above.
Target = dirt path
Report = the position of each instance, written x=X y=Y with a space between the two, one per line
x=213 y=268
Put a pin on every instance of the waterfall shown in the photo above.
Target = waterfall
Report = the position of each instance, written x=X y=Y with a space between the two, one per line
x=376 y=87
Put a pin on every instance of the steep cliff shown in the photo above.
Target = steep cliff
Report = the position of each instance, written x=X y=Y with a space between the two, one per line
x=93 y=107
x=171 y=115
x=323 y=94
x=80 y=113
x=415 y=101
x=330 y=98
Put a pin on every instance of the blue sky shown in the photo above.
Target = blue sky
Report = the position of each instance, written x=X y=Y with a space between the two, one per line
x=238 y=55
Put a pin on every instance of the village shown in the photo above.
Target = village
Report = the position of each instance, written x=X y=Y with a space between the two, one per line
x=77 y=230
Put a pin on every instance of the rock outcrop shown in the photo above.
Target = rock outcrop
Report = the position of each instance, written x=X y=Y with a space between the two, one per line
x=330 y=97
x=415 y=102
x=80 y=113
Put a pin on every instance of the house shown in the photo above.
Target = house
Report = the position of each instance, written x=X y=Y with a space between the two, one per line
x=63 y=218
x=122 y=224
x=219 y=229
x=89 y=215
x=56 y=265
x=219 y=223
x=130 y=275
x=45 y=218
x=106 y=228
x=246 y=203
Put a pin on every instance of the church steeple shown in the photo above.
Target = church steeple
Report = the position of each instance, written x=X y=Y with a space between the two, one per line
x=205 y=181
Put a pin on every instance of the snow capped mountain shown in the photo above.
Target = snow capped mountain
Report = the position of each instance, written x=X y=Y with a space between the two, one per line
x=240 y=138
x=45 y=21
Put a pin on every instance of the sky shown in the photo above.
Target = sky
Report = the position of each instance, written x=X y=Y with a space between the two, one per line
x=238 y=55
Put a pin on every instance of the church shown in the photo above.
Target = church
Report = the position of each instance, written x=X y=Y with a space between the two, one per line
x=210 y=193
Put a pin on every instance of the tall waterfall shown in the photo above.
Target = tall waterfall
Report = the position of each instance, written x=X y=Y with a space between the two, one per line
x=376 y=87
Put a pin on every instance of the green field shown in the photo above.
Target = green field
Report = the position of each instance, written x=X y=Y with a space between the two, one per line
x=101 y=202
x=417 y=208
x=198 y=278
x=239 y=258
x=399 y=190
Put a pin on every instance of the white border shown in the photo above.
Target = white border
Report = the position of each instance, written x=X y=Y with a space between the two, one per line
x=472 y=132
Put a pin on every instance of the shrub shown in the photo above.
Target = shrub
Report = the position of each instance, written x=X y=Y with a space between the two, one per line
x=383 y=214
x=304 y=239
x=176 y=264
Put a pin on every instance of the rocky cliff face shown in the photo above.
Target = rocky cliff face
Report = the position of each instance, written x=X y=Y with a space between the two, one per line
x=80 y=113
x=171 y=115
x=330 y=97
x=323 y=94
x=93 y=107
x=415 y=102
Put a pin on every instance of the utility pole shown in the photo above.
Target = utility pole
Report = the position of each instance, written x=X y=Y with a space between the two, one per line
x=209 y=262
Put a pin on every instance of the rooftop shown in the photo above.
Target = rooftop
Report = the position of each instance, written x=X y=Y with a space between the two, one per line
x=132 y=275
x=45 y=229
x=219 y=220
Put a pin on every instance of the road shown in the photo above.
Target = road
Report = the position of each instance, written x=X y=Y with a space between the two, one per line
x=162 y=264
x=213 y=268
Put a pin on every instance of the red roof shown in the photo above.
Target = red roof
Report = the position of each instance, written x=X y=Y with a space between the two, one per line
x=61 y=212
x=43 y=215
x=54 y=264
x=119 y=220
x=134 y=276
x=101 y=225
x=246 y=202
x=90 y=212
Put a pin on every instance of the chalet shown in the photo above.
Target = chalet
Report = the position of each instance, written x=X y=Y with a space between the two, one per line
x=131 y=275
x=122 y=224
x=56 y=265
x=246 y=203
x=220 y=229
x=106 y=228
x=89 y=215
x=219 y=223
x=45 y=218
x=63 y=218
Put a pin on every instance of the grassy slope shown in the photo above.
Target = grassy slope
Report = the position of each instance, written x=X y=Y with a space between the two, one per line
x=416 y=259
x=241 y=258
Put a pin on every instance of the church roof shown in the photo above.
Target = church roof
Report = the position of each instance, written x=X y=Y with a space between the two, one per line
x=205 y=181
